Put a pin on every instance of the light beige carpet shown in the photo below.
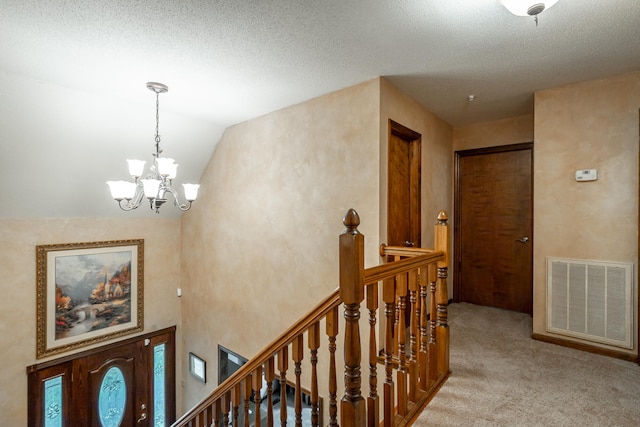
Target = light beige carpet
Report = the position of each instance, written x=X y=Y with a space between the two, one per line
x=501 y=377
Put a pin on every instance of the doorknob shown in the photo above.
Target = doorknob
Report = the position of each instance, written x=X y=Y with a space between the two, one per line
x=523 y=240
x=408 y=244
x=143 y=416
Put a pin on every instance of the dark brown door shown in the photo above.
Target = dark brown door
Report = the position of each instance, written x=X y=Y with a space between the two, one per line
x=403 y=186
x=494 y=223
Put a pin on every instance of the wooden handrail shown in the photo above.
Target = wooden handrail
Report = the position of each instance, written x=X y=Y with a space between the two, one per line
x=299 y=327
x=416 y=279
x=404 y=251
x=386 y=271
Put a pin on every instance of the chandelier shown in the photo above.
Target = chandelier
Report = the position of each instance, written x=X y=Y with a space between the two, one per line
x=156 y=186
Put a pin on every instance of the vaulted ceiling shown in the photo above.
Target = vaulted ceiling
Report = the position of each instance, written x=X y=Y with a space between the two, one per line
x=73 y=102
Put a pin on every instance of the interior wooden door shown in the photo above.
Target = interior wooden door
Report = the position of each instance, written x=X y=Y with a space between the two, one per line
x=494 y=227
x=403 y=186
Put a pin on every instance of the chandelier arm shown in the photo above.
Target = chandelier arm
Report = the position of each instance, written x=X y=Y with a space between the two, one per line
x=128 y=206
x=182 y=206
x=136 y=201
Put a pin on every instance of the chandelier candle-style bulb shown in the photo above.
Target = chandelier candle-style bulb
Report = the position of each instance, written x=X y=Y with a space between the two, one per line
x=136 y=167
x=166 y=167
x=151 y=187
x=190 y=191
x=156 y=185
x=122 y=190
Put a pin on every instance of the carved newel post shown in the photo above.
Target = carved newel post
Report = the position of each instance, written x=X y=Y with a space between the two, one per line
x=442 y=295
x=352 y=406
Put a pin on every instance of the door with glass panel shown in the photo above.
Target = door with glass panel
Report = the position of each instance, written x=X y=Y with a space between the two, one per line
x=127 y=384
x=116 y=382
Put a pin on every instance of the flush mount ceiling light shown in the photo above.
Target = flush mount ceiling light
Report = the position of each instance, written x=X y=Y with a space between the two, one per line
x=527 y=7
x=157 y=184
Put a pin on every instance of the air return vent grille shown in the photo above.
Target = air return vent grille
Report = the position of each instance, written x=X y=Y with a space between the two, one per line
x=590 y=300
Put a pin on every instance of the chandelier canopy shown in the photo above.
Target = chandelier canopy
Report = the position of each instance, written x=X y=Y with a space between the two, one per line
x=156 y=186
x=527 y=7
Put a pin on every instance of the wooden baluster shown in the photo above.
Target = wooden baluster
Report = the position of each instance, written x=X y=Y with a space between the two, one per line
x=210 y=418
x=441 y=243
x=226 y=407
x=269 y=375
x=433 y=343
x=373 y=402
x=413 y=336
x=200 y=419
x=236 y=398
x=298 y=355
x=423 y=358
x=352 y=406
x=396 y=321
x=388 y=296
x=247 y=399
x=314 y=345
x=283 y=365
x=332 y=333
x=401 y=375
x=257 y=386
x=217 y=412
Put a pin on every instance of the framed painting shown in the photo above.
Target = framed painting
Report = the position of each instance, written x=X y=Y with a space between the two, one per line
x=87 y=293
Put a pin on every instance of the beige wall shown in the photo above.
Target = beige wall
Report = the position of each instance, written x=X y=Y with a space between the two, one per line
x=436 y=173
x=588 y=125
x=513 y=130
x=265 y=232
x=18 y=239
x=260 y=248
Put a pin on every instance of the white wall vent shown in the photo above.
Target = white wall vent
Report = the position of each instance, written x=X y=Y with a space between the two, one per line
x=590 y=300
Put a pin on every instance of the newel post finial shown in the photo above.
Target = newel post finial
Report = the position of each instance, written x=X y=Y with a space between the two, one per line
x=351 y=221
x=352 y=405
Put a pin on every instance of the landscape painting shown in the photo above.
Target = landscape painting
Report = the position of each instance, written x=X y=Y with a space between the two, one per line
x=88 y=292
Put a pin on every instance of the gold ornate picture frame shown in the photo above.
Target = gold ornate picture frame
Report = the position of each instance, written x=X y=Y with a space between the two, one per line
x=87 y=293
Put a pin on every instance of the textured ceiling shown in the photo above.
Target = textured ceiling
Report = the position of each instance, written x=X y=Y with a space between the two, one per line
x=72 y=74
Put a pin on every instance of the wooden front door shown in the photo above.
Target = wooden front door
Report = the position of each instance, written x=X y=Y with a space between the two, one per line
x=493 y=227
x=131 y=383
x=116 y=381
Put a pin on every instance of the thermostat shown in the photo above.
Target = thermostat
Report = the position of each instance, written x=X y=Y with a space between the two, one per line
x=586 y=175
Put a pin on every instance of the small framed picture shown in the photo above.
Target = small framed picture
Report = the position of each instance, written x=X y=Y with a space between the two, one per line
x=198 y=367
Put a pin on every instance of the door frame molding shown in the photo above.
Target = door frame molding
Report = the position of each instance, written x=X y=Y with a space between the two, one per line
x=456 y=199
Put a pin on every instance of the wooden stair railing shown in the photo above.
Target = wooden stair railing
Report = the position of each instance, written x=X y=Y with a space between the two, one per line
x=421 y=364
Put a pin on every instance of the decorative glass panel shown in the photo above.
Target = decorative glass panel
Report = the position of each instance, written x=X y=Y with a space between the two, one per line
x=158 y=385
x=112 y=398
x=53 y=402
